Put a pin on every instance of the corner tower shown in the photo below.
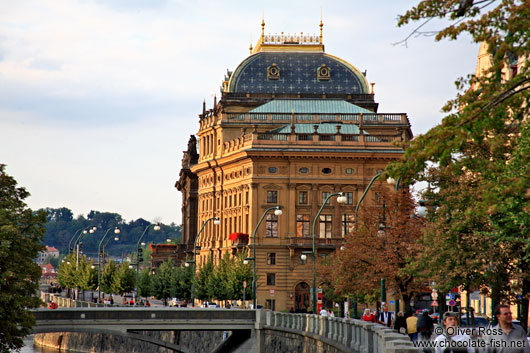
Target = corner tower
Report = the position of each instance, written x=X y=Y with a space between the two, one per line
x=293 y=125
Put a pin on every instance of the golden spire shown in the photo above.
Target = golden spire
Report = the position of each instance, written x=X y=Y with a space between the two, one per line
x=263 y=26
x=372 y=88
x=321 y=25
x=250 y=48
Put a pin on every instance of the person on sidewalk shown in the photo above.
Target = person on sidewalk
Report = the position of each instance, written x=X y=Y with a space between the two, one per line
x=506 y=334
x=425 y=326
x=452 y=340
x=400 y=324
x=386 y=318
x=368 y=316
x=412 y=330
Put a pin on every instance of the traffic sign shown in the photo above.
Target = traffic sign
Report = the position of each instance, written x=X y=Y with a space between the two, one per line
x=434 y=295
x=271 y=291
x=434 y=303
x=451 y=303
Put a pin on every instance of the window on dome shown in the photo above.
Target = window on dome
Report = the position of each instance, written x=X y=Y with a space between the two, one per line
x=273 y=72
x=323 y=73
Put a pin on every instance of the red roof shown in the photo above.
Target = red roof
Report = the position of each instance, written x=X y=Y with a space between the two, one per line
x=48 y=267
x=51 y=248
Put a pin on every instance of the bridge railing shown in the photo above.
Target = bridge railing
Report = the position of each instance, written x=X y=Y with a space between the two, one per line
x=346 y=334
x=63 y=302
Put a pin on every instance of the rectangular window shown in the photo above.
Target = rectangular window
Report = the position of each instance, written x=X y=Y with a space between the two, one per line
x=302 y=225
x=271 y=279
x=349 y=198
x=271 y=258
x=271 y=226
x=302 y=197
x=325 y=195
x=272 y=196
x=246 y=197
x=347 y=226
x=325 y=226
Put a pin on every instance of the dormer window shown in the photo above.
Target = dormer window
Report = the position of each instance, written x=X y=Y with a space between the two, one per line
x=273 y=72
x=323 y=73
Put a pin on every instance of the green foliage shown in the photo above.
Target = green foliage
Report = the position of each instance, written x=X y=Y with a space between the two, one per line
x=123 y=279
x=202 y=283
x=237 y=274
x=477 y=160
x=21 y=234
x=162 y=281
x=145 y=286
x=107 y=277
x=66 y=272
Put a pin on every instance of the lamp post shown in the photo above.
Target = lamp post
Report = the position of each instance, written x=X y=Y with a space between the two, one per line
x=116 y=238
x=156 y=227
x=340 y=199
x=90 y=230
x=70 y=243
x=116 y=231
x=216 y=221
x=277 y=212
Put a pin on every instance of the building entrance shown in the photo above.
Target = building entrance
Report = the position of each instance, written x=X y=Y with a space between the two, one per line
x=302 y=297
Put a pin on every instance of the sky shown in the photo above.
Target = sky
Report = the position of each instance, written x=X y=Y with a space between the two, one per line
x=98 y=98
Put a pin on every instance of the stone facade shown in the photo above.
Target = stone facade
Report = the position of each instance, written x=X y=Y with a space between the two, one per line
x=287 y=132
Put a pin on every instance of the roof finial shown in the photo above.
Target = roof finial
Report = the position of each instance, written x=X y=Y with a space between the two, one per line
x=263 y=25
x=321 y=25
x=250 y=48
x=372 y=88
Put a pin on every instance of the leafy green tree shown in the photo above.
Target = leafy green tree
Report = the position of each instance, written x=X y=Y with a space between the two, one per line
x=477 y=159
x=66 y=273
x=239 y=272
x=107 y=278
x=123 y=279
x=162 y=280
x=86 y=275
x=21 y=234
x=218 y=283
x=145 y=286
x=202 y=280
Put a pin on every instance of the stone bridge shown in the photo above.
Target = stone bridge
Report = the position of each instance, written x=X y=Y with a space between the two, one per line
x=260 y=331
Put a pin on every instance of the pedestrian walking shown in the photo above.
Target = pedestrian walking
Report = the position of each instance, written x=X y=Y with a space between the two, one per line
x=400 y=324
x=506 y=337
x=412 y=330
x=452 y=340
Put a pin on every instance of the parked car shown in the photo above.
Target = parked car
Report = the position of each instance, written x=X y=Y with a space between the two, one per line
x=209 y=305
x=478 y=322
x=172 y=302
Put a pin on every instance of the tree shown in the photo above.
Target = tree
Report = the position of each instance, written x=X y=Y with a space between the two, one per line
x=86 y=275
x=202 y=280
x=385 y=243
x=145 y=287
x=239 y=272
x=477 y=159
x=123 y=279
x=21 y=234
x=218 y=282
x=66 y=272
x=107 y=278
x=162 y=280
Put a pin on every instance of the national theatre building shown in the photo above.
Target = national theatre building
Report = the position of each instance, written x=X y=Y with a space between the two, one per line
x=293 y=126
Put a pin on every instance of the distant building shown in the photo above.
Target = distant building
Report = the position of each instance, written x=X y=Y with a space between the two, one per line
x=49 y=251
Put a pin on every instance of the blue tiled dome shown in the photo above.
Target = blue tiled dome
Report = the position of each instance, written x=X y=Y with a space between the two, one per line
x=298 y=74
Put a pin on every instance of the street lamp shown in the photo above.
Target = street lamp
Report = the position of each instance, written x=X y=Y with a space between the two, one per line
x=340 y=199
x=70 y=243
x=277 y=212
x=116 y=231
x=216 y=221
x=78 y=241
x=156 y=227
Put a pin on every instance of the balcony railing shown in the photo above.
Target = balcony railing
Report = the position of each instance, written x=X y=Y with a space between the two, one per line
x=308 y=241
x=367 y=118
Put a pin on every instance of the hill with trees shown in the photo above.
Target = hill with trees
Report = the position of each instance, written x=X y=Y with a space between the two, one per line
x=61 y=227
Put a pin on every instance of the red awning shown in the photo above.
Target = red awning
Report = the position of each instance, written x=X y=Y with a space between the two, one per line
x=238 y=235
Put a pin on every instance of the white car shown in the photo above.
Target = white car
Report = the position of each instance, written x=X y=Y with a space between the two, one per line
x=209 y=305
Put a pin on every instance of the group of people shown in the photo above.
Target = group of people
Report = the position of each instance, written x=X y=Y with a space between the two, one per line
x=505 y=337
x=383 y=317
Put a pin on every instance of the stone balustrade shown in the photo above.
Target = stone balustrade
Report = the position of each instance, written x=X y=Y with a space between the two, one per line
x=346 y=335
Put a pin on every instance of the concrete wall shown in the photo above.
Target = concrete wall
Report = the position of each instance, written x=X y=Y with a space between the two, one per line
x=188 y=341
